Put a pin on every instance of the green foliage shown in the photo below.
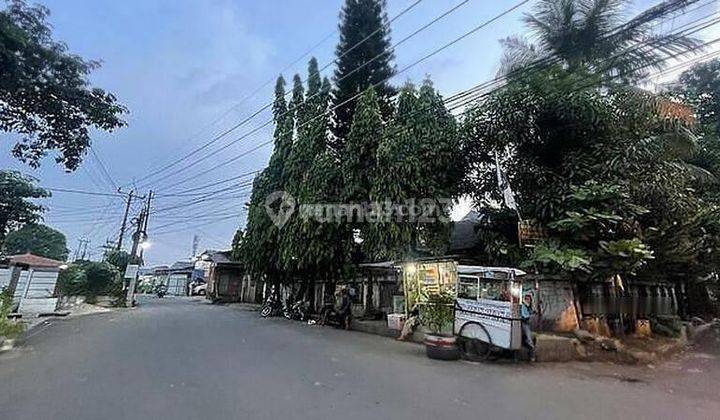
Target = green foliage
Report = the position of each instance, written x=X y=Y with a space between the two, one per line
x=700 y=87
x=364 y=60
x=553 y=257
x=118 y=259
x=37 y=239
x=359 y=158
x=420 y=156
x=314 y=177
x=237 y=244
x=16 y=209
x=318 y=246
x=592 y=36
x=605 y=167
x=47 y=98
x=90 y=279
x=258 y=250
x=8 y=328
x=437 y=313
x=258 y=246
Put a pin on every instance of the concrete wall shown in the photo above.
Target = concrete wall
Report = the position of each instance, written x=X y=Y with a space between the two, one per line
x=556 y=311
x=35 y=289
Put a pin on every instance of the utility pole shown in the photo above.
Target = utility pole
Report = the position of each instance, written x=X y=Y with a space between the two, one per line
x=125 y=216
x=82 y=245
x=147 y=218
x=195 y=243
x=139 y=236
x=84 y=251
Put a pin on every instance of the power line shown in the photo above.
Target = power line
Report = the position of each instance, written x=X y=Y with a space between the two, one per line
x=404 y=69
x=194 y=225
x=459 y=105
x=462 y=103
x=186 y=192
x=268 y=105
x=199 y=201
x=85 y=192
x=103 y=169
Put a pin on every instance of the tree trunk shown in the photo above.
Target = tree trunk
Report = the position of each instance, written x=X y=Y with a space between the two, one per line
x=369 y=307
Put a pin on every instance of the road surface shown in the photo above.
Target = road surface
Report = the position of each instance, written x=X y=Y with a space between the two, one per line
x=186 y=359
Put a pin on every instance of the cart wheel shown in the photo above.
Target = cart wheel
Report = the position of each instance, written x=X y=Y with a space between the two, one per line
x=474 y=350
x=494 y=353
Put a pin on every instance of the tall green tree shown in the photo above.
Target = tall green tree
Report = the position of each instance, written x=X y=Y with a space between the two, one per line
x=318 y=246
x=594 y=35
x=44 y=90
x=361 y=63
x=37 y=239
x=258 y=246
x=359 y=159
x=700 y=87
x=237 y=244
x=311 y=123
x=419 y=163
x=258 y=251
x=306 y=161
x=602 y=167
x=118 y=259
x=16 y=206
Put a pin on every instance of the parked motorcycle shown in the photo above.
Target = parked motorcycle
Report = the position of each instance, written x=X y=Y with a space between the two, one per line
x=272 y=306
x=329 y=315
x=298 y=311
x=160 y=290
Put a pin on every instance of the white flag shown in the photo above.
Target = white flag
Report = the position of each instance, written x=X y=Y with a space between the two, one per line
x=504 y=186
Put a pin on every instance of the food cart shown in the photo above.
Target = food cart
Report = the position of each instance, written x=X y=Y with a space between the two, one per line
x=426 y=277
x=487 y=310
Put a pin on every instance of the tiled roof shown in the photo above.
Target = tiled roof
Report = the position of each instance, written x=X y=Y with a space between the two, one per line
x=34 y=261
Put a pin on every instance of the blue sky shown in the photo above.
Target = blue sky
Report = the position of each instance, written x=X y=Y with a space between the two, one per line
x=179 y=65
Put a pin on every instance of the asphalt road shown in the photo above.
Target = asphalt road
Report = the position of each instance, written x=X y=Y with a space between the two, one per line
x=185 y=359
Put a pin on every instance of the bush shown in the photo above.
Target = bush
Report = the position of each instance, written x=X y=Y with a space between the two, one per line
x=8 y=328
x=438 y=312
x=90 y=279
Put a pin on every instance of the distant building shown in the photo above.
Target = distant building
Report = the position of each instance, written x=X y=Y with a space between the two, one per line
x=226 y=278
x=177 y=277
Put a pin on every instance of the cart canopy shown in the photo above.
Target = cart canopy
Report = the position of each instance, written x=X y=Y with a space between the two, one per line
x=477 y=270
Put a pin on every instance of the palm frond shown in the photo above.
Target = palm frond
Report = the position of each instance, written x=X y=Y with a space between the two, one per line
x=518 y=52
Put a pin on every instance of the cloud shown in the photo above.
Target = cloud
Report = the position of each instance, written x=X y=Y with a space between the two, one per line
x=232 y=60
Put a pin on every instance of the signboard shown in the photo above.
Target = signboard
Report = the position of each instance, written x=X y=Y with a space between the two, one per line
x=131 y=271
x=490 y=321
x=421 y=279
x=530 y=234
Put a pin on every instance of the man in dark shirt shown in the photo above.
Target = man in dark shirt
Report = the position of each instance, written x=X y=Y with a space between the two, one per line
x=527 y=335
x=345 y=310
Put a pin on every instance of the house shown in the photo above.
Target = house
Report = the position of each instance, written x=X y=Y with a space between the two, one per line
x=226 y=279
x=176 y=277
x=35 y=261
x=32 y=280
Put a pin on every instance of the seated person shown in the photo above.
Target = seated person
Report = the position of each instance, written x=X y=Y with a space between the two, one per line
x=410 y=324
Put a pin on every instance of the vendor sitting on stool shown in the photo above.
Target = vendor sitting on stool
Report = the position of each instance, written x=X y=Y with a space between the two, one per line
x=527 y=335
x=410 y=324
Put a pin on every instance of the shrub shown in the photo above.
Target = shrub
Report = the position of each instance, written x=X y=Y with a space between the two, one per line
x=438 y=312
x=8 y=328
x=90 y=279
